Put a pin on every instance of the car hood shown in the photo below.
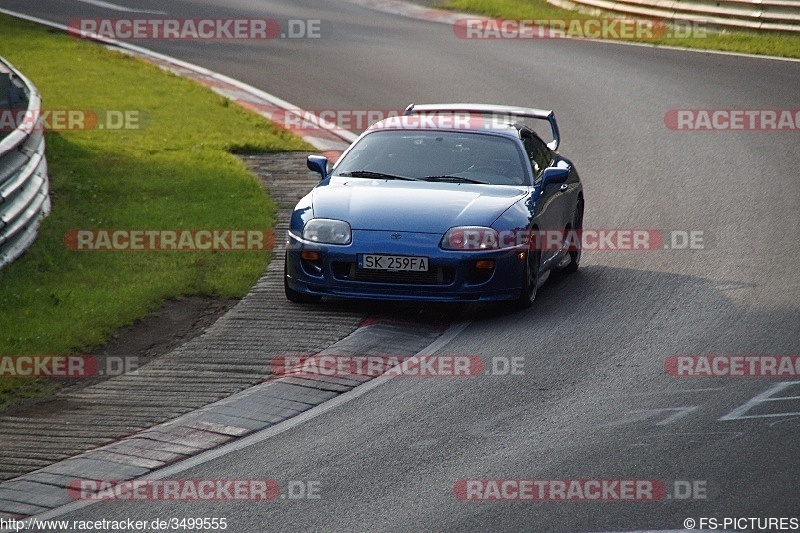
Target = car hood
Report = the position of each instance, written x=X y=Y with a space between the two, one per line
x=393 y=205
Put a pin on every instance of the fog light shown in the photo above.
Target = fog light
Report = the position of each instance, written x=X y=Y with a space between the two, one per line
x=486 y=264
x=309 y=255
x=521 y=255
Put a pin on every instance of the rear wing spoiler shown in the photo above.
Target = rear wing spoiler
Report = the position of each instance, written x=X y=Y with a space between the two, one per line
x=484 y=109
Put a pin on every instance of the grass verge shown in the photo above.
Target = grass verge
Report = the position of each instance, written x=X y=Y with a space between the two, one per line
x=175 y=172
x=750 y=42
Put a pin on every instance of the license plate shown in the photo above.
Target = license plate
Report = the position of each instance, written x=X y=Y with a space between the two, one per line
x=393 y=262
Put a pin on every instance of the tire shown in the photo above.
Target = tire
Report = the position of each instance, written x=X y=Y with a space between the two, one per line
x=530 y=280
x=294 y=296
x=575 y=255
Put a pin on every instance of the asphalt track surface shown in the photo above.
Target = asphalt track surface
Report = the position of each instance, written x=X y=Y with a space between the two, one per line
x=594 y=401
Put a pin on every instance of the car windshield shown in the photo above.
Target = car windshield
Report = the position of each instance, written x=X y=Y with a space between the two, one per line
x=457 y=157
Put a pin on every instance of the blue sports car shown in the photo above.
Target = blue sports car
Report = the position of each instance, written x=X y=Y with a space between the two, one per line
x=452 y=202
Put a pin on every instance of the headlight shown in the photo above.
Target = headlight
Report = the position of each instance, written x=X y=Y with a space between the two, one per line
x=327 y=231
x=480 y=238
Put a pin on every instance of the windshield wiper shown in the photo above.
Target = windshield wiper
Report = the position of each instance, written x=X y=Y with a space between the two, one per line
x=454 y=179
x=374 y=175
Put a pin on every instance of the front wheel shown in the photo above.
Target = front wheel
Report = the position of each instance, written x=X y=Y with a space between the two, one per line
x=530 y=280
x=294 y=296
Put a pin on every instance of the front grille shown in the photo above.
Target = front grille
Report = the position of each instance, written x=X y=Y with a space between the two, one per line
x=435 y=275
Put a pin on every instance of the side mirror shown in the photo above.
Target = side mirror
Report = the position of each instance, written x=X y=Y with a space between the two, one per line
x=318 y=163
x=554 y=176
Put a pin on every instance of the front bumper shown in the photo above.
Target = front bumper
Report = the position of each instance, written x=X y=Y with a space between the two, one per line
x=452 y=275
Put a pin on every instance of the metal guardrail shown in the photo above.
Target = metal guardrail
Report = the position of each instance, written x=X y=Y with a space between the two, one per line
x=777 y=15
x=24 y=186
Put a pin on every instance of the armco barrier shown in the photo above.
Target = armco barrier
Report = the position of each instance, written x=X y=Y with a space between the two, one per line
x=777 y=15
x=24 y=187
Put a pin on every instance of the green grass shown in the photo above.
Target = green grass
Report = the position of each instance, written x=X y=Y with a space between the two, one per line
x=750 y=42
x=177 y=172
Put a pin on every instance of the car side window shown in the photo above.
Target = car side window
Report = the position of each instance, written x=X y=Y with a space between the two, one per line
x=537 y=152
